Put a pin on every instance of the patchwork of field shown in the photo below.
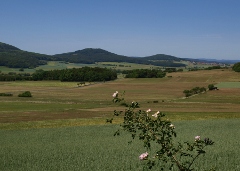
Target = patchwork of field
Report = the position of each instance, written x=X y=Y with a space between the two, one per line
x=58 y=65
x=76 y=136
x=54 y=101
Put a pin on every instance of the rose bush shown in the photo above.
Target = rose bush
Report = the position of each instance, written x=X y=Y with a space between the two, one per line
x=154 y=128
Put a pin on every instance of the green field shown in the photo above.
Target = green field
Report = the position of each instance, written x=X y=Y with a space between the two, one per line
x=228 y=85
x=90 y=148
x=62 y=127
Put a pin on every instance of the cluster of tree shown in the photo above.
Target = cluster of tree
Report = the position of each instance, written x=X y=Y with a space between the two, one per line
x=25 y=94
x=195 y=90
x=236 y=67
x=194 y=69
x=11 y=76
x=74 y=74
x=208 y=68
x=170 y=70
x=212 y=87
x=144 y=73
x=213 y=67
x=40 y=74
x=77 y=74
x=6 y=94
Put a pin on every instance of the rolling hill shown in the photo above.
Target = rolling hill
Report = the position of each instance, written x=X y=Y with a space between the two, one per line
x=14 y=57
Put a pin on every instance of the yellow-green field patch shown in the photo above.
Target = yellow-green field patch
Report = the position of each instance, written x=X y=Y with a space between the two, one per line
x=229 y=84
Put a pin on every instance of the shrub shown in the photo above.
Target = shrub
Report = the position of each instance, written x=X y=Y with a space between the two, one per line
x=25 y=94
x=6 y=94
x=155 y=129
x=212 y=87
x=195 y=90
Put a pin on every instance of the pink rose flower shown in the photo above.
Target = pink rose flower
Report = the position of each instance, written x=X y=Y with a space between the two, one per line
x=143 y=156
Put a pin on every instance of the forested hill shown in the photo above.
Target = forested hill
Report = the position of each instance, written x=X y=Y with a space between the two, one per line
x=163 y=57
x=6 y=48
x=90 y=55
x=14 y=57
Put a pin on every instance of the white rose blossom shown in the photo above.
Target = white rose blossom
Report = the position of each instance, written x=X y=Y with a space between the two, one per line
x=149 y=110
x=156 y=114
x=172 y=126
x=115 y=94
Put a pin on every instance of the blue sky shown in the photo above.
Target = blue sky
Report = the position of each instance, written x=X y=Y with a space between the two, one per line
x=183 y=28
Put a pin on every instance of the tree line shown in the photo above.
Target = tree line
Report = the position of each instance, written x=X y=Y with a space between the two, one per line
x=144 y=73
x=75 y=74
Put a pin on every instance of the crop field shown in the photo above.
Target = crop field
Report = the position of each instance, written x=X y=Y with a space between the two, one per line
x=90 y=148
x=229 y=85
x=62 y=127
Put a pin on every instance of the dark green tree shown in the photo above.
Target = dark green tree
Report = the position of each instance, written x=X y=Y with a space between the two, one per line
x=236 y=67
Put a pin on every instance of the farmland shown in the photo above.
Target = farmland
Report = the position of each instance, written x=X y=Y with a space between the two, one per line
x=73 y=115
x=54 y=100
x=95 y=148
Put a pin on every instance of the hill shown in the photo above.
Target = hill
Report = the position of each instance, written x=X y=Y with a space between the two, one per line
x=163 y=57
x=165 y=60
x=14 y=57
x=91 y=55
x=6 y=47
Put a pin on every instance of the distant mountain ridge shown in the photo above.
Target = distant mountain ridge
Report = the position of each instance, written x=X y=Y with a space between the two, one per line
x=14 y=57
x=224 y=61
x=91 y=55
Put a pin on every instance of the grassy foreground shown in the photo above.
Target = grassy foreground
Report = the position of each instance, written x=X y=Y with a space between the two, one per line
x=90 y=148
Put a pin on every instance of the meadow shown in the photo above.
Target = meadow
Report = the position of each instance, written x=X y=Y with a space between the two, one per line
x=54 y=101
x=62 y=127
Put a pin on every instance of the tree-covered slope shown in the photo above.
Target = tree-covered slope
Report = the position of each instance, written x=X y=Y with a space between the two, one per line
x=163 y=57
x=6 y=47
x=91 y=55
x=14 y=57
